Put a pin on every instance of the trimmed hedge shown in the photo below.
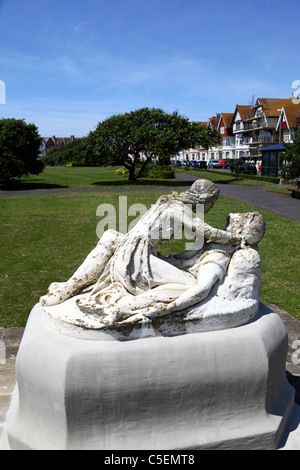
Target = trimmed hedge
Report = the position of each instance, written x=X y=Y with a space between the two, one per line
x=269 y=179
x=159 y=171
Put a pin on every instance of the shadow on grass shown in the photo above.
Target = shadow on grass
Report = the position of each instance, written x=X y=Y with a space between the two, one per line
x=142 y=182
x=29 y=185
x=227 y=180
x=215 y=177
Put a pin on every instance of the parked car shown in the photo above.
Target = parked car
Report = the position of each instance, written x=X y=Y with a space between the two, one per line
x=175 y=163
x=249 y=169
x=202 y=164
x=223 y=162
x=228 y=165
x=214 y=164
x=198 y=164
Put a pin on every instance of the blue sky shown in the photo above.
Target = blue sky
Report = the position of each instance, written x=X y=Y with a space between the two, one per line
x=69 y=64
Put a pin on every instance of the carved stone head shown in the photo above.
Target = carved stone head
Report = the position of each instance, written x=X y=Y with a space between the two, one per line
x=250 y=225
x=204 y=192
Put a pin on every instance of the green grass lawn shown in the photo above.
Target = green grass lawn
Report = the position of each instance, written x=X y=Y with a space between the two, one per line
x=225 y=177
x=283 y=190
x=44 y=238
x=61 y=177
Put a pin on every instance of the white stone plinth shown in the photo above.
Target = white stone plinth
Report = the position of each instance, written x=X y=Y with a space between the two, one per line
x=208 y=390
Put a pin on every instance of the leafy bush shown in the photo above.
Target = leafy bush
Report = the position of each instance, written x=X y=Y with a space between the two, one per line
x=270 y=179
x=291 y=159
x=19 y=149
x=79 y=152
x=122 y=171
x=236 y=168
x=78 y=163
x=158 y=172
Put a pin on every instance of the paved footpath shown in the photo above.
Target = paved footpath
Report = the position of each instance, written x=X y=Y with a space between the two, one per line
x=260 y=198
x=257 y=196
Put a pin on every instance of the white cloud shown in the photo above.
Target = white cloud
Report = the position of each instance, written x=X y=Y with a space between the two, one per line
x=75 y=93
x=64 y=118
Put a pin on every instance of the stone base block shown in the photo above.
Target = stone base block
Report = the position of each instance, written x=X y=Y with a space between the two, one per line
x=209 y=390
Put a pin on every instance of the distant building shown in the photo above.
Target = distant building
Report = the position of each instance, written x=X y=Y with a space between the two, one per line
x=213 y=152
x=197 y=153
x=249 y=130
x=260 y=129
x=50 y=142
x=214 y=121
x=226 y=149
x=226 y=133
x=288 y=122
x=287 y=125
x=241 y=114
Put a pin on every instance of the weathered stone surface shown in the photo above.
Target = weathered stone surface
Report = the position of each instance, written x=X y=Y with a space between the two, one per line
x=125 y=284
x=220 y=389
x=140 y=351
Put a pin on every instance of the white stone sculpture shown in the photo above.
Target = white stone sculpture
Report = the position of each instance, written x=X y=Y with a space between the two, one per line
x=125 y=282
x=105 y=363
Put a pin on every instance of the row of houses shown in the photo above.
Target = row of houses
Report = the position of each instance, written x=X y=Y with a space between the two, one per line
x=249 y=129
x=245 y=133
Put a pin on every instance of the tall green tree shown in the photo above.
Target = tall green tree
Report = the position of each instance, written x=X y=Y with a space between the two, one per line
x=291 y=158
x=139 y=136
x=19 y=149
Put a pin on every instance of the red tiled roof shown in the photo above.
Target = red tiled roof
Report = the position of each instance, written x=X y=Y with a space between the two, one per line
x=227 y=118
x=272 y=105
x=244 y=111
x=292 y=113
x=214 y=121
